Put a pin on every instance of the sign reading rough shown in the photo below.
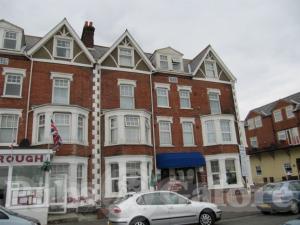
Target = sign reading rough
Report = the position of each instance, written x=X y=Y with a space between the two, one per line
x=22 y=159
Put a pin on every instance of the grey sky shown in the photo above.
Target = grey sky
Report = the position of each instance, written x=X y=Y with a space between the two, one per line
x=258 y=40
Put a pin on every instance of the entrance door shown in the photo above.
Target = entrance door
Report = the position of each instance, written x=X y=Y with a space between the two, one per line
x=3 y=184
x=58 y=194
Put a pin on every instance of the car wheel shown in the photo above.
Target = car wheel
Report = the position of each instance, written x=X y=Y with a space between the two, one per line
x=294 y=207
x=207 y=217
x=266 y=212
x=139 y=221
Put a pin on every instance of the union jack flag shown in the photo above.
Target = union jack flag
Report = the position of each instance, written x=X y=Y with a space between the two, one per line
x=56 y=137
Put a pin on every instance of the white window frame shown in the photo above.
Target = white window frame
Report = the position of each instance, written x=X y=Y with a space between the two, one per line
x=56 y=37
x=224 y=132
x=253 y=140
x=132 y=55
x=40 y=126
x=191 y=121
x=49 y=111
x=218 y=93
x=178 y=61
x=81 y=127
x=187 y=89
x=13 y=71
x=215 y=173
x=277 y=115
x=215 y=68
x=218 y=132
x=282 y=135
x=111 y=128
x=134 y=176
x=289 y=111
x=18 y=40
x=115 y=178
x=17 y=112
x=61 y=76
x=135 y=126
x=69 y=125
x=256 y=170
x=287 y=165
x=167 y=88
x=131 y=83
x=120 y=115
x=251 y=124
x=166 y=60
x=258 y=122
x=168 y=120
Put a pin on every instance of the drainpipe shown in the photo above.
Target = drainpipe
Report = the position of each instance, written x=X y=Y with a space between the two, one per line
x=153 y=130
x=28 y=96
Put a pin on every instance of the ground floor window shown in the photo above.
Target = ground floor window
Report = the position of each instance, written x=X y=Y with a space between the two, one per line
x=258 y=170
x=230 y=171
x=124 y=174
x=215 y=169
x=3 y=184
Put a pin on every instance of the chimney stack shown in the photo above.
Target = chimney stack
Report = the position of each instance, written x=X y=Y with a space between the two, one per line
x=87 y=36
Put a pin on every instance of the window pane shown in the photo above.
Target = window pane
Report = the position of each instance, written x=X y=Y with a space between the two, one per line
x=210 y=69
x=230 y=171
x=13 y=84
x=10 y=40
x=133 y=174
x=188 y=137
x=28 y=176
x=211 y=132
x=165 y=133
x=132 y=129
x=61 y=91
x=125 y=57
x=214 y=103
x=8 y=128
x=113 y=130
x=80 y=130
x=215 y=166
x=162 y=97
x=225 y=129
x=63 y=48
x=62 y=122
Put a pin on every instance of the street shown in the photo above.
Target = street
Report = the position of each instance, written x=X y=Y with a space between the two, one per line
x=256 y=219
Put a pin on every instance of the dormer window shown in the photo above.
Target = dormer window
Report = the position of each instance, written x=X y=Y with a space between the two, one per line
x=126 y=56
x=210 y=69
x=163 y=63
x=10 y=40
x=63 y=47
x=176 y=64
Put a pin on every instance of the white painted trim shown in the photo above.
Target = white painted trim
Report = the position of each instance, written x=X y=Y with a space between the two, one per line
x=13 y=70
x=132 y=56
x=213 y=90
x=52 y=32
x=137 y=48
x=212 y=80
x=162 y=85
x=218 y=131
x=68 y=76
x=126 y=82
x=187 y=119
x=19 y=71
x=62 y=62
x=221 y=159
x=17 y=112
x=121 y=161
x=182 y=87
x=164 y=118
x=53 y=83
x=27 y=151
x=11 y=111
x=125 y=70
x=54 y=49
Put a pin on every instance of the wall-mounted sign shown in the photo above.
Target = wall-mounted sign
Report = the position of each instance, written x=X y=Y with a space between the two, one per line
x=22 y=159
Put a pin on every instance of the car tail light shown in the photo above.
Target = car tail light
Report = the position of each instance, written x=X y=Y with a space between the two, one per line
x=116 y=209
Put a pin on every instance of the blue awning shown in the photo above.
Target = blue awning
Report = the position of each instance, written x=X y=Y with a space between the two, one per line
x=179 y=160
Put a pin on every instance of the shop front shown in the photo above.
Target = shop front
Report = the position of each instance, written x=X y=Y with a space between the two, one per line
x=180 y=172
x=23 y=184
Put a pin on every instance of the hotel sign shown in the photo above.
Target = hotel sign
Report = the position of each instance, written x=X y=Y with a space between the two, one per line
x=22 y=159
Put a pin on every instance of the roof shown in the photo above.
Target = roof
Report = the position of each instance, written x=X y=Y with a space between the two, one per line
x=195 y=62
x=268 y=108
x=31 y=41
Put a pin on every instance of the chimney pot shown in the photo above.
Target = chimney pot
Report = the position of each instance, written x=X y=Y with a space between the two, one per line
x=86 y=24
x=91 y=23
x=87 y=36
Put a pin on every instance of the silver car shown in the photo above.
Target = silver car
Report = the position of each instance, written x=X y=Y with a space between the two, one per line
x=160 y=208
x=8 y=217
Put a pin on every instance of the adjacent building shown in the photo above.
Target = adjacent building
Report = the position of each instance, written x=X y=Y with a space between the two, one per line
x=273 y=138
x=129 y=120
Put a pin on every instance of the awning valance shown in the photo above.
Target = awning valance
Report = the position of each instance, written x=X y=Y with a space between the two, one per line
x=179 y=160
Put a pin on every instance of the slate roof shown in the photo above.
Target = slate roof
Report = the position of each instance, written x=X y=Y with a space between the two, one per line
x=268 y=108
x=30 y=41
x=195 y=62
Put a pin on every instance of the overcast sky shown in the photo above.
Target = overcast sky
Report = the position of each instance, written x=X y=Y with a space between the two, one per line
x=259 y=40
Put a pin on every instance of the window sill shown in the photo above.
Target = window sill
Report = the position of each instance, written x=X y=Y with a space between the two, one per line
x=189 y=145
x=61 y=57
x=107 y=145
x=221 y=143
x=166 y=146
x=11 y=96
x=8 y=145
x=185 y=108
x=128 y=66
x=165 y=107
x=66 y=143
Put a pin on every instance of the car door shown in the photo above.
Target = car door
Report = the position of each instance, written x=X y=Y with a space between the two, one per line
x=154 y=209
x=180 y=209
x=4 y=219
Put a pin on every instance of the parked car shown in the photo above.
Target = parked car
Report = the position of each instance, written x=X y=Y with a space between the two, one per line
x=279 y=197
x=8 y=217
x=161 y=207
x=293 y=222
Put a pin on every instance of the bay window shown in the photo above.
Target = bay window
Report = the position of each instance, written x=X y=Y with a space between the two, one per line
x=218 y=129
x=127 y=127
x=132 y=129
x=71 y=122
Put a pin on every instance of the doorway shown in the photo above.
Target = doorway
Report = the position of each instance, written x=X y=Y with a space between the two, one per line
x=3 y=184
x=58 y=194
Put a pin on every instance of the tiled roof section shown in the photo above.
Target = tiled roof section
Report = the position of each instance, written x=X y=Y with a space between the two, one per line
x=267 y=109
x=30 y=41
x=195 y=62
x=98 y=51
